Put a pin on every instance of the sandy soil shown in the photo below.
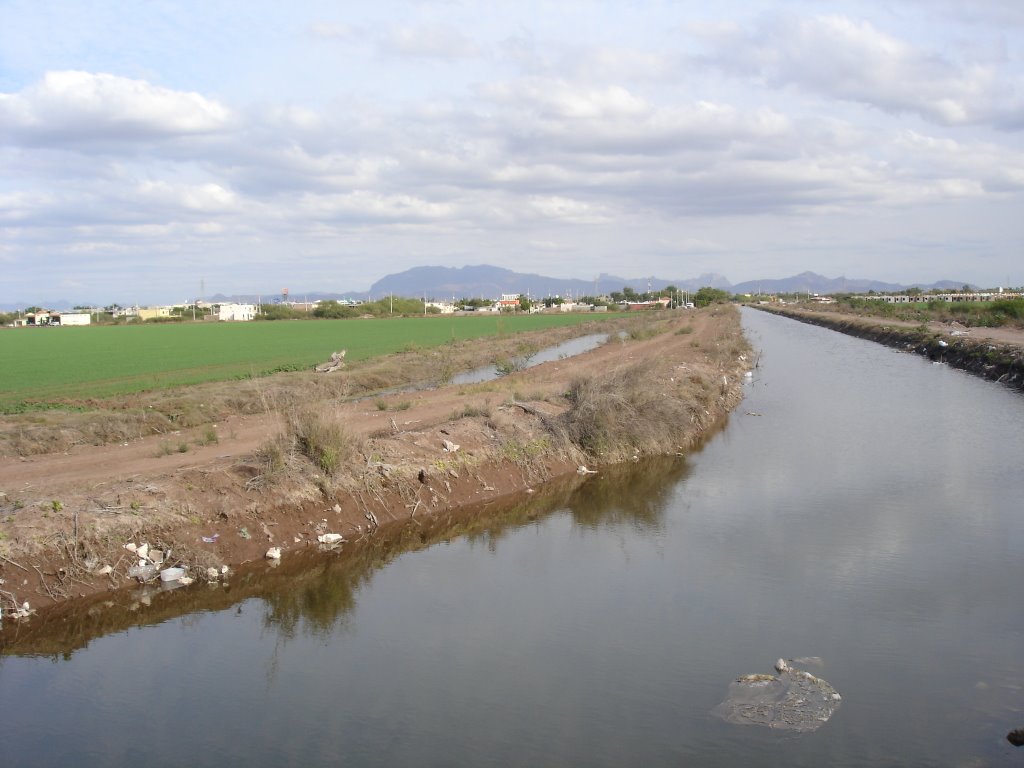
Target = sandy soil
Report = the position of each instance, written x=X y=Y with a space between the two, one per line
x=64 y=516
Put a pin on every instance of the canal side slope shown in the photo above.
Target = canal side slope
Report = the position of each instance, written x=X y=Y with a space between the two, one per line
x=996 y=354
x=303 y=469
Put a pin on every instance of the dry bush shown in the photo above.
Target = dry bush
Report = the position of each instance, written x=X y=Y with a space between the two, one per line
x=271 y=461
x=321 y=437
x=628 y=411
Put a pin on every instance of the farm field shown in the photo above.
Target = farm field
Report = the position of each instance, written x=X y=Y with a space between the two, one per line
x=39 y=366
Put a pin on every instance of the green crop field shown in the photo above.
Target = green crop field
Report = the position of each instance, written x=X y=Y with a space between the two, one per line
x=49 y=365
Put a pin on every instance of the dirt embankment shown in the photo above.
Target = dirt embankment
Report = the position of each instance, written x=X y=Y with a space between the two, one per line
x=283 y=477
x=993 y=353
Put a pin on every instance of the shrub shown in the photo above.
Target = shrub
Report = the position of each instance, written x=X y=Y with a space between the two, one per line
x=624 y=412
x=321 y=437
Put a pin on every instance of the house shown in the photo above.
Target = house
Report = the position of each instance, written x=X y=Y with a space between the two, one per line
x=53 y=319
x=661 y=302
x=508 y=301
x=236 y=312
x=74 y=318
x=442 y=307
x=152 y=313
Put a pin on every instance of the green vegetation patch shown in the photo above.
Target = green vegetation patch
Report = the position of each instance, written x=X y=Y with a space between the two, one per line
x=65 y=366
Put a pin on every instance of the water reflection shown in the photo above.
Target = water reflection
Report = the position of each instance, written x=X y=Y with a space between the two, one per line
x=633 y=494
x=313 y=594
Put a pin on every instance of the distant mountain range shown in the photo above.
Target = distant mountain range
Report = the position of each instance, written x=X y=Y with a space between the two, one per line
x=489 y=282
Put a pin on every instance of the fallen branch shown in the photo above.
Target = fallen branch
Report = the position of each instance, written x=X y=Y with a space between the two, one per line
x=16 y=565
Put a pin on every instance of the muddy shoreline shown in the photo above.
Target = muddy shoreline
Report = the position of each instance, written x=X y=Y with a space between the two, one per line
x=413 y=469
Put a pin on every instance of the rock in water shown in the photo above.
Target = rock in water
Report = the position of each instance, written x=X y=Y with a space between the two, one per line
x=792 y=700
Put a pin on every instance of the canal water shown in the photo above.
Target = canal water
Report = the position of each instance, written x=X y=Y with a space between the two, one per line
x=862 y=505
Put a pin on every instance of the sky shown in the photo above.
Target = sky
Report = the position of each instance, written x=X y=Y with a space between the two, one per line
x=159 y=151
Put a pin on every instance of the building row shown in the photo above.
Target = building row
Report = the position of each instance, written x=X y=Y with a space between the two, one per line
x=220 y=312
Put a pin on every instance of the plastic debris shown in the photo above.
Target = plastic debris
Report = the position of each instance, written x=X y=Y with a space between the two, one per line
x=449 y=446
x=274 y=553
x=171 y=574
x=244 y=533
x=104 y=570
x=130 y=546
x=582 y=470
x=143 y=572
x=212 y=574
x=330 y=538
x=185 y=580
x=21 y=612
x=211 y=539
x=143 y=551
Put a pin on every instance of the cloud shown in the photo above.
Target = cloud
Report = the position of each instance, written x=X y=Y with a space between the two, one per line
x=433 y=42
x=70 y=107
x=850 y=59
x=331 y=30
x=559 y=99
x=568 y=210
x=197 y=198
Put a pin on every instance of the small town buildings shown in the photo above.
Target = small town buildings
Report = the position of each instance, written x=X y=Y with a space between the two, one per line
x=953 y=298
x=441 y=307
x=508 y=301
x=152 y=313
x=236 y=312
x=74 y=318
x=661 y=302
x=53 y=319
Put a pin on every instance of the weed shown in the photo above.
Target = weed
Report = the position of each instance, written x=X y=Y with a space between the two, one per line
x=643 y=333
x=470 y=411
x=524 y=453
x=272 y=457
x=322 y=438
x=405 y=405
x=56 y=506
x=382 y=405
x=182 y=447
x=209 y=436
x=685 y=330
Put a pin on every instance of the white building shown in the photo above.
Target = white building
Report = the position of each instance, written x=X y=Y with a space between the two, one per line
x=236 y=312
x=442 y=307
x=75 y=318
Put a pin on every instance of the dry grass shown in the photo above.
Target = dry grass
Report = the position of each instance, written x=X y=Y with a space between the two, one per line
x=321 y=437
x=631 y=411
